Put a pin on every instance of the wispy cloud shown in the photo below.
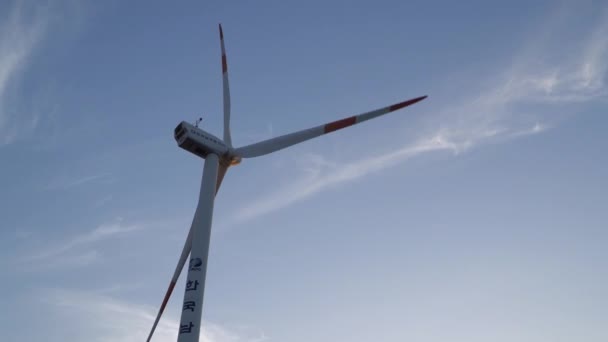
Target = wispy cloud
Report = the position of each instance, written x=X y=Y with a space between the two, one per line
x=321 y=174
x=68 y=260
x=115 y=320
x=102 y=201
x=69 y=252
x=519 y=101
x=67 y=183
x=19 y=35
x=21 y=233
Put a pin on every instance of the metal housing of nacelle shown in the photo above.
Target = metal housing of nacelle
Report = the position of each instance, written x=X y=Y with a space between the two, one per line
x=197 y=141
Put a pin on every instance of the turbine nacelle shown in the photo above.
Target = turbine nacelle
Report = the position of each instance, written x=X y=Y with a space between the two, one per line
x=197 y=141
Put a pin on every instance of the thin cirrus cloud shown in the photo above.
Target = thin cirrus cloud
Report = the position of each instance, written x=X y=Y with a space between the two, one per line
x=518 y=103
x=67 y=183
x=116 y=320
x=63 y=252
x=19 y=37
x=71 y=260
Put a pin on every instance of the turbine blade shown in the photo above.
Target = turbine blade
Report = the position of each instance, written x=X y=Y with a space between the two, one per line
x=221 y=172
x=201 y=235
x=176 y=273
x=182 y=259
x=278 y=143
x=226 y=91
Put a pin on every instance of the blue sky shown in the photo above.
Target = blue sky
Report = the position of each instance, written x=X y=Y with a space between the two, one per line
x=478 y=214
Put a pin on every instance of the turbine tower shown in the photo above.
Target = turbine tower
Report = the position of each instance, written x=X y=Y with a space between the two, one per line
x=219 y=155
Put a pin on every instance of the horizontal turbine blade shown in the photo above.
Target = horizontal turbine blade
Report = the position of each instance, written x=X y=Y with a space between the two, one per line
x=278 y=143
x=182 y=259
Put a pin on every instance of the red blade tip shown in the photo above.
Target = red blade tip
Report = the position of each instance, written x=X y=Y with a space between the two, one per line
x=406 y=103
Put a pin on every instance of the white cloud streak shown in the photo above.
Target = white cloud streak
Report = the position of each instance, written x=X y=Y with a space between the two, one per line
x=322 y=175
x=103 y=201
x=62 y=253
x=516 y=104
x=71 y=260
x=18 y=38
x=104 y=318
x=66 y=183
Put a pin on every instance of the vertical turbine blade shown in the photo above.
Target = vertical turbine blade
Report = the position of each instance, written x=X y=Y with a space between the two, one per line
x=226 y=91
x=190 y=322
x=182 y=259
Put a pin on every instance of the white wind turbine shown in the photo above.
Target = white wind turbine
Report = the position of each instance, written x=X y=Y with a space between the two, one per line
x=219 y=155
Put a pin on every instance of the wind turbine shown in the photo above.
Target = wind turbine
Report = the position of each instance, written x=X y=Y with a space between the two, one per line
x=219 y=155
